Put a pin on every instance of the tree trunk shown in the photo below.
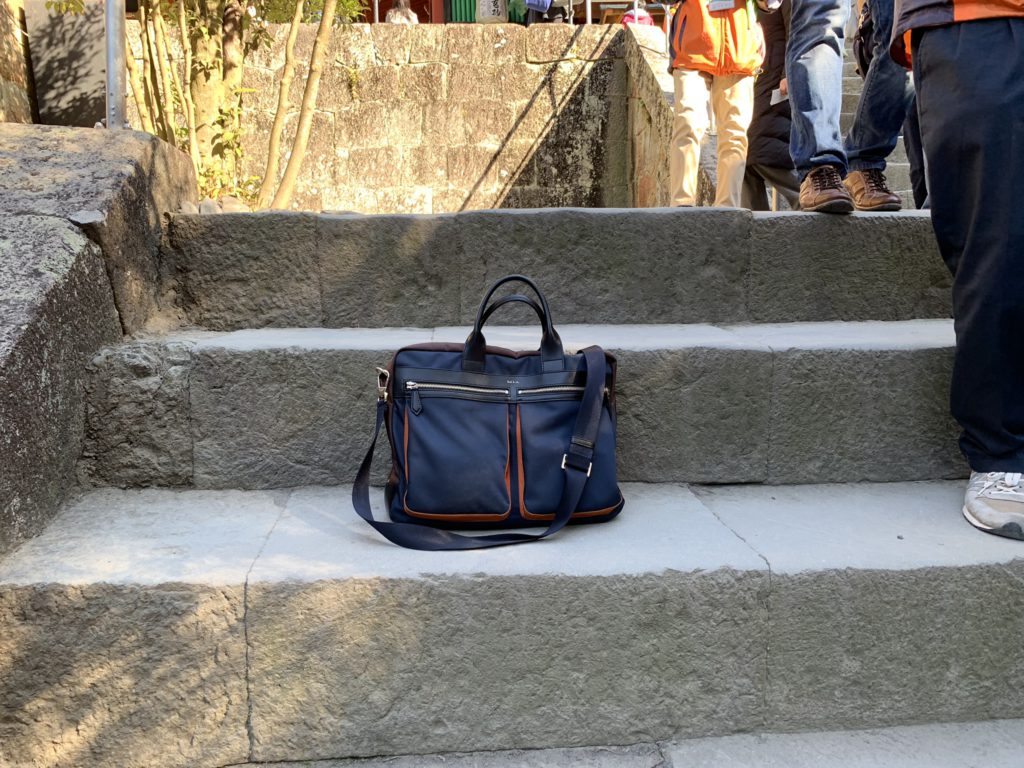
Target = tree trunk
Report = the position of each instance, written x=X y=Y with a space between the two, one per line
x=206 y=80
x=139 y=92
x=190 y=107
x=284 y=194
x=234 y=59
x=274 y=147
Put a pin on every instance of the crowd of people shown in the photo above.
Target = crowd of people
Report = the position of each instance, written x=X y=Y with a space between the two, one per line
x=962 y=112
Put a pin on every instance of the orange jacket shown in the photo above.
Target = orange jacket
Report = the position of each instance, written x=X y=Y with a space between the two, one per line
x=725 y=42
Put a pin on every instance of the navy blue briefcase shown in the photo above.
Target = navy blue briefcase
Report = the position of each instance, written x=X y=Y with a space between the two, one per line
x=488 y=438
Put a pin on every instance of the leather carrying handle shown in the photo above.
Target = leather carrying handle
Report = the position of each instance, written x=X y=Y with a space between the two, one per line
x=512 y=299
x=551 y=352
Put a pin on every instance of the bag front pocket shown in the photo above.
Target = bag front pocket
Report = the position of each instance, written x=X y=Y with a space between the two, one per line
x=456 y=456
x=543 y=431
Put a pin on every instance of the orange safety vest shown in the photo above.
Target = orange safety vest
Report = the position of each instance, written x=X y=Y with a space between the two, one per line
x=726 y=42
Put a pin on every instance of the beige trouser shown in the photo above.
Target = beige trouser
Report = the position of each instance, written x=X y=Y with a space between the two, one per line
x=732 y=98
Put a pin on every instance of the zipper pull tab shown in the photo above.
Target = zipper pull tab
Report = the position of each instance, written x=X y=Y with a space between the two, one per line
x=415 y=402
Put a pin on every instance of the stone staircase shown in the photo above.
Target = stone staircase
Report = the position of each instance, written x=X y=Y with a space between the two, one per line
x=791 y=556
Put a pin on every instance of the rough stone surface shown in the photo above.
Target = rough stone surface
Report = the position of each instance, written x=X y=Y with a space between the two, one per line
x=862 y=415
x=456 y=118
x=262 y=267
x=56 y=309
x=420 y=256
x=700 y=612
x=805 y=268
x=604 y=265
x=589 y=263
x=121 y=675
x=137 y=429
x=788 y=403
x=115 y=184
x=637 y=651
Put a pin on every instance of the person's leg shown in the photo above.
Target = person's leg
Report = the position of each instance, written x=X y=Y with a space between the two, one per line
x=732 y=98
x=972 y=129
x=915 y=156
x=688 y=129
x=814 y=70
x=785 y=180
x=755 y=196
x=884 y=101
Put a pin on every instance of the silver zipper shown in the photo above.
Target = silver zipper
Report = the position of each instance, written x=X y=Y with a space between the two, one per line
x=415 y=385
x=541 y=390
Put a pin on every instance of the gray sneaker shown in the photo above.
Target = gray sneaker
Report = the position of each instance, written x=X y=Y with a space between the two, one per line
x=994 y=503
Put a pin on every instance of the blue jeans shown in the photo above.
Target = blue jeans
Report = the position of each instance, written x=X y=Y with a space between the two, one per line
x=885 y=100
x=814 y=70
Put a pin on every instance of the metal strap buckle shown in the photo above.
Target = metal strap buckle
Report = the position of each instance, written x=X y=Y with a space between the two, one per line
x=565 y=457
x=382 y=383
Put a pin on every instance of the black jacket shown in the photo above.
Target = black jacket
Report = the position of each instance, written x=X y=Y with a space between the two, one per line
x=769 y=130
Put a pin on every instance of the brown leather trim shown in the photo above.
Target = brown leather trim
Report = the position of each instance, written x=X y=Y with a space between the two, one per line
x=468 y=518
x=527 y=514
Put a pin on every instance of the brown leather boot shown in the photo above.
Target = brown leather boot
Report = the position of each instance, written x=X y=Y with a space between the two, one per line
x=823 y=191
x=870 y=192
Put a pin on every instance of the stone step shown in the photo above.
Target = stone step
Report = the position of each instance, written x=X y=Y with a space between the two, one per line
x=757 y=403
x=236 y=271
x=201 y=628
x=946 y=745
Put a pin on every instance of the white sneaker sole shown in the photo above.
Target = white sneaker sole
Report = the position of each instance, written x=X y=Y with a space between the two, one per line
x=1010 y=531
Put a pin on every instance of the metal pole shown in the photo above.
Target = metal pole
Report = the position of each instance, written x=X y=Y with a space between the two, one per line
x=590 y=17
x=636 y=11
x=376 y=11
x=117 y=82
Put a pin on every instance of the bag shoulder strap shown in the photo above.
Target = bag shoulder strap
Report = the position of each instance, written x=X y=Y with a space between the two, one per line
x=578 y=457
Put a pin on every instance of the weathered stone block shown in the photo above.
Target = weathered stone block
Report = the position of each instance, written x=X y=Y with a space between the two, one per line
x=719 y=399
x=874 y=414
x=895 y=274
x=253 y=423
x=377 y=83
x=483 y=122
x=56 y=309
x=439 y=123
x=352 y=45
x=496 y=44
x=424 y=251
x=116 y=185
x=426 y=83
x=439 y=651
x=424 y=166
x=392 y=42
x=406 y=199
x=361 y=125
x=562 y=250
x=378 y=167
x=244 y=270
x=351 y=198
x=472 y=167
x=549 y=42
x=473 y=82
x=122 y=675
x=137 y=428
x=598 y=41
x=403 y=125
x=902 y=646
x=428 y=44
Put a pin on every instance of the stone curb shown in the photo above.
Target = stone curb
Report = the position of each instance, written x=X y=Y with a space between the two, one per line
x=704 y=265
x=780 y=404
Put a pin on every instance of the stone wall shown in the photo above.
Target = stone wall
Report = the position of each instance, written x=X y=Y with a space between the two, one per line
x=441 y=118
x=81 y=219
x=15 y=99
x=651 y=98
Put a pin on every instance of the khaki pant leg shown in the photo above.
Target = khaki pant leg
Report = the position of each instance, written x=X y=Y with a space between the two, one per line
x=732 y=98
x=688 y=129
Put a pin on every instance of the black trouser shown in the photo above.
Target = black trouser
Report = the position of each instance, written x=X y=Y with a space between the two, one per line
x=970 y=90
x=754 y=195
x=915 y=156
